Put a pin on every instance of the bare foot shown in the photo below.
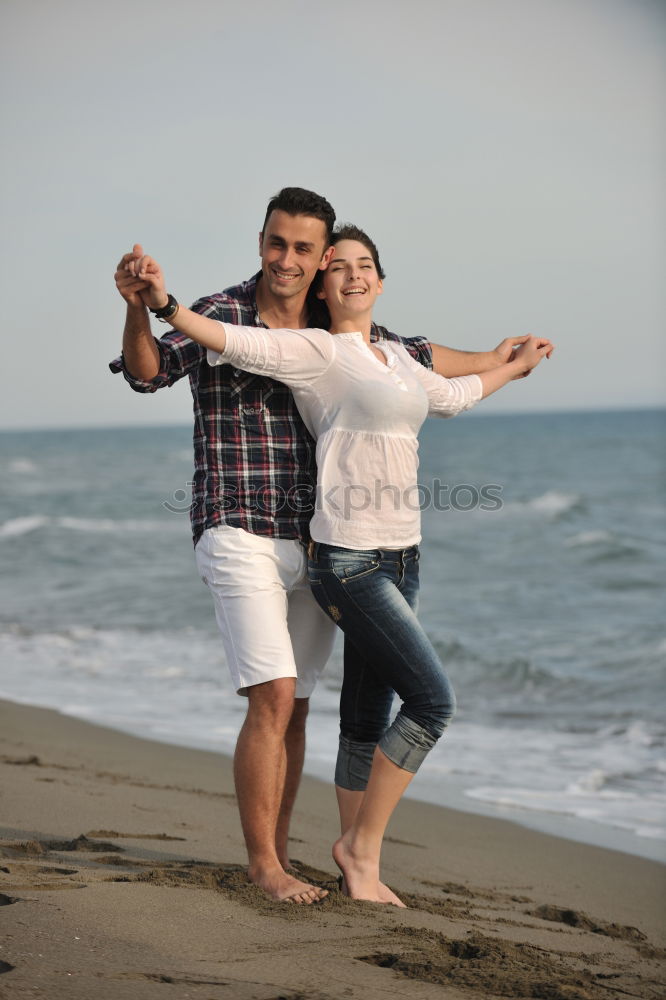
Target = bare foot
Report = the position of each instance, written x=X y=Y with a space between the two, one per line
x=360 y=876
x=386 y=895
x=284 y=888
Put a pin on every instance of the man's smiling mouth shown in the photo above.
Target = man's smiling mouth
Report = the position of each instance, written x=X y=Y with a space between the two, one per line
x=284 y=275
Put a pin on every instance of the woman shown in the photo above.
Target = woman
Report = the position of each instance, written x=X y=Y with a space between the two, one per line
x=364 y=404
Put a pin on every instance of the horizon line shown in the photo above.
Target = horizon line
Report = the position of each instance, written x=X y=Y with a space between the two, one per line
x=472 y=415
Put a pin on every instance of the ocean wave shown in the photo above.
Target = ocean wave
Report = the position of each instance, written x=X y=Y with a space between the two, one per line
x=641 y=815
x=552 y=504
x=17 y=526
x=107 y=525
x=475 y=671
x=603 y=546
x=587 y=538
x=22 y=467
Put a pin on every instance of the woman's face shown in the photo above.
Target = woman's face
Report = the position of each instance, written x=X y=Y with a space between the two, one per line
x=351 y=283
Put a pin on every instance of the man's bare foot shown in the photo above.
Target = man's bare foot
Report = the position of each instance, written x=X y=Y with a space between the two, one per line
x=284 y=888
x=360 y=876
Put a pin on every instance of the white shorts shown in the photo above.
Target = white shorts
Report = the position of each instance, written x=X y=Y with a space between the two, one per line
x=271 y=624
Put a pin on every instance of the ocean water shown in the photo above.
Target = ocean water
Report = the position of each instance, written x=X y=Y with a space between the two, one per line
x=543 y=588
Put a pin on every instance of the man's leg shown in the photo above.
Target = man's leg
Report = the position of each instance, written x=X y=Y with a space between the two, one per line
x=312 y=635
x=259 y=772
x=295 y=754
x=249 y=578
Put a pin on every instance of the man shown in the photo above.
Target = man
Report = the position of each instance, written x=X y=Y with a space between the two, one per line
x=253 y=490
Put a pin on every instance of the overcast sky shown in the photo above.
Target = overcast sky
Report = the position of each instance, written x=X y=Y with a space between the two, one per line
x=508 y=157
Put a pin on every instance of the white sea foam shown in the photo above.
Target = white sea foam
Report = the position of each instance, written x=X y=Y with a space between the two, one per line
x=111 y=525
x=22 y=467
x=552 y=504
x=585 y=538
x=642 y=817
x=17 y=526
x=594 y=781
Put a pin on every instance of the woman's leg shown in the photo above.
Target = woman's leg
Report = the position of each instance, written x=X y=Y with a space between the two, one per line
x=365 y=715
x=372 y=606
x=357 y=852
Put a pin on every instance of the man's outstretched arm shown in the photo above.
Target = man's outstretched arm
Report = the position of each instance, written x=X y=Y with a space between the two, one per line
x=142 y=358
x=450 y=362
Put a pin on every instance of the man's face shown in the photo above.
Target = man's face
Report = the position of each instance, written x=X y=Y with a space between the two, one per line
x=292 y=249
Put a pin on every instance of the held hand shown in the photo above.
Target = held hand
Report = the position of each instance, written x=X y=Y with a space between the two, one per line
x=129 y=286
x=510 y=346
x=146 y=270
x=529 y=353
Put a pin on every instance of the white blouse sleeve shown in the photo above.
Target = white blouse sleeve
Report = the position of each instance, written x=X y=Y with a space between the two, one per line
x=290 y=356
x=447 y=396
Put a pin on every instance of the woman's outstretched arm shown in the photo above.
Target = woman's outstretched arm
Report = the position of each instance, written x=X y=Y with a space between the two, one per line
x=449 y=396
x=449 y=361
x=291 y=356
x=531 y=352
x=207 y=332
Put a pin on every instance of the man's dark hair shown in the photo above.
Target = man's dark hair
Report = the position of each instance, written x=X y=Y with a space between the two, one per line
x=351 y=232
x=298 y=201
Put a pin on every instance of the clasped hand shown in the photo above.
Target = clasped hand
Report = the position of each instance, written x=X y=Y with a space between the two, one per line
x=140 y=281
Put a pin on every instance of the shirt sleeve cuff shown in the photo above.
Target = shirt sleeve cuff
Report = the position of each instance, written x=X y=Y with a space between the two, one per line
x=476 y=387
x=140 y=384
x=215 y=358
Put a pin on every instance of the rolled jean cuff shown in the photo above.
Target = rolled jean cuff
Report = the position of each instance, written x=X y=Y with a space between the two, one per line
x=352 y=768
x=407 y=743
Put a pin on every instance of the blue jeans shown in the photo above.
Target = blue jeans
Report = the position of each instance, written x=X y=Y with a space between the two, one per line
x=372 y=596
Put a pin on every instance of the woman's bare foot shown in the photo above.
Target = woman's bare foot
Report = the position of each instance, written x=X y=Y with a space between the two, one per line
x=284 y=888
x=386 y=895
x=360 y=876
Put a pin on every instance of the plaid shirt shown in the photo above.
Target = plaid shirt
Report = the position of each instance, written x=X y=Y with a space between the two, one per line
x=254 y=460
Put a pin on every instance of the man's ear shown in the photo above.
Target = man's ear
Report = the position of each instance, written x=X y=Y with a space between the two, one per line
x=261 y=244
x=326 y=259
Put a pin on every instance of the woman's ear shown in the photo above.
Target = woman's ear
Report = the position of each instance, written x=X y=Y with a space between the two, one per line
x=320 y=293
x=380 y=287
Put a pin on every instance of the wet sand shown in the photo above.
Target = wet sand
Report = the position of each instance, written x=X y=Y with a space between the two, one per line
x=121 y=876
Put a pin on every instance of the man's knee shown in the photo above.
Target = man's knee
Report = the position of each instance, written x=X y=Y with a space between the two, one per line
x=272 y=702
x=299 y=716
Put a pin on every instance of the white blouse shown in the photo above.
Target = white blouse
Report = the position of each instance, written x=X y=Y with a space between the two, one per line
x=364 y=416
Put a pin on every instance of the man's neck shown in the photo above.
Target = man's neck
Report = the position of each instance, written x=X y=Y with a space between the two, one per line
x=277 y=314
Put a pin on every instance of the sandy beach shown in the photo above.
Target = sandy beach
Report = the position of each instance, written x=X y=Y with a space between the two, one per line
x=122 y=876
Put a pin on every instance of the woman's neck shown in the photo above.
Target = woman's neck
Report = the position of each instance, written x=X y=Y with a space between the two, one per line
x=356 y=324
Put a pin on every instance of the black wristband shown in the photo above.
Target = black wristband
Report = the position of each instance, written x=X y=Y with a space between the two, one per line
x=167 y=311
